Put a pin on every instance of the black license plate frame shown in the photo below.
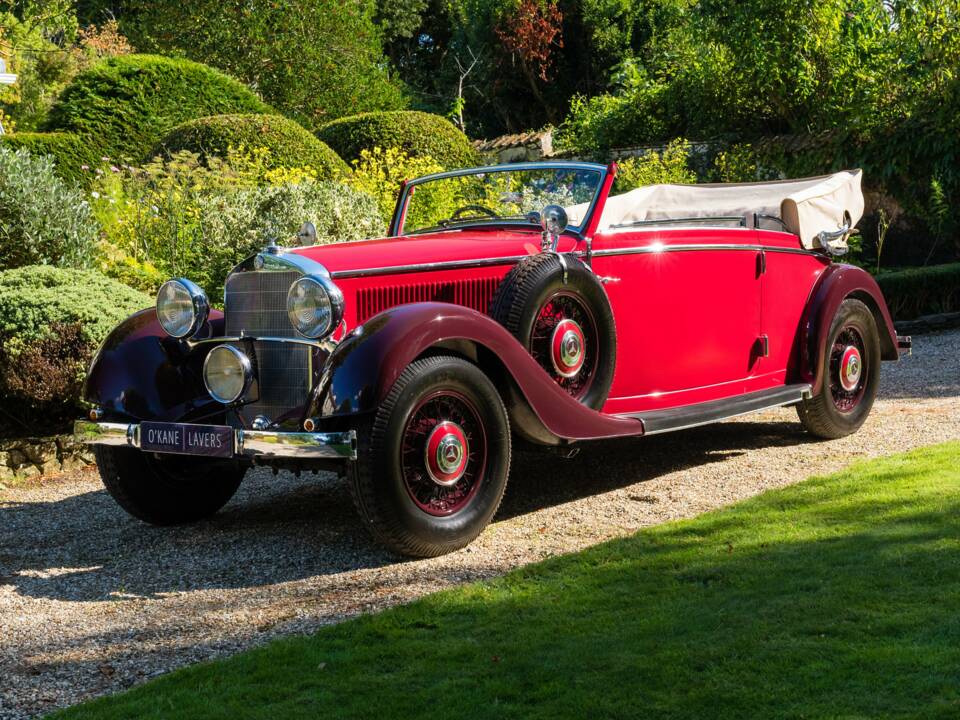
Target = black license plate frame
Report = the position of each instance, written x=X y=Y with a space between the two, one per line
x=187 y=439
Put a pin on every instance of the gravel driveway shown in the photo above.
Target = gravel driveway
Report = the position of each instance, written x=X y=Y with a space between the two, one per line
x=92 y=601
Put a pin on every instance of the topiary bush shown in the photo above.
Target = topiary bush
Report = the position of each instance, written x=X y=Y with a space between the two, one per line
x=418 y=134
x=70 y=152
x=43 y=219
x=289 y=145
x=920 y=291
x=51 y=322
x=125 y=104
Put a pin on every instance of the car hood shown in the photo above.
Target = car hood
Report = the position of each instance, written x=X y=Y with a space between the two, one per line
x=405 y=253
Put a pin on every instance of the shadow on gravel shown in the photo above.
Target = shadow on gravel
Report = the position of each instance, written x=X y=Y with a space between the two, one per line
x=280 y=528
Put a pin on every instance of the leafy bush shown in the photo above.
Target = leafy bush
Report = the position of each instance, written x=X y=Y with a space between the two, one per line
x=179 y=217
x=922 y=291
x=418 y=134
x=314 y=61
x=51 y=322
x=671 y=165
x=123 y=105
x=379 y=172
x=70 y=152
x=43 y=220
x=289 y=145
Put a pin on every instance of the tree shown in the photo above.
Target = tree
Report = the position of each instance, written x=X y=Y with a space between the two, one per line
x=314 y=60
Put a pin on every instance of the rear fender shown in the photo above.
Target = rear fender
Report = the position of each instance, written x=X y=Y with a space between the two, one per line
x=838 y=283
x=141 y=373
x=364 y=367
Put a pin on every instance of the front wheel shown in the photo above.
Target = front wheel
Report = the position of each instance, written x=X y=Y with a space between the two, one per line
x=167 y=489
x=850 y=369
x=432 y=470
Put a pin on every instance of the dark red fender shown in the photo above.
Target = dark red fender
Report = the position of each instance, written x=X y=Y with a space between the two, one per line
x=836 y=284
x=367 y=363
x=141 y=373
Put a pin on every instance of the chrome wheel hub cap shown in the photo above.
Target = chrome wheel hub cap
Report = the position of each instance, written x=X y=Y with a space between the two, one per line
x=567 y=348
x=446 y=453
x=851 y=367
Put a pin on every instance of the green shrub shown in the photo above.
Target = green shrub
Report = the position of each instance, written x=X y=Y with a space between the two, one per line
x=418 y=134
x=43 y=219
x=125 y=104
x=671 y=165
x=179 y=217
x=922 y=291
x=51 y=322
x=70 y=152
x=289 y=145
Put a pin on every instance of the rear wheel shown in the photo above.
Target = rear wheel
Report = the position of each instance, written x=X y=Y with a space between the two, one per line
x=432 y=470
x=169 y=489
x=850 y=369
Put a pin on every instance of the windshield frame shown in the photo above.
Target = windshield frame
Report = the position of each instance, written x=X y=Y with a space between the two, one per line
x=399 y=213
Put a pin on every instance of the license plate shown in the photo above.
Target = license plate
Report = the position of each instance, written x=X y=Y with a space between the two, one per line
x=187 y=439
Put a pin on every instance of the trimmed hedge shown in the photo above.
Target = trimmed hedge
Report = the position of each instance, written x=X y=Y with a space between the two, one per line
x=51 y=322
x=289 y=144
x=920 y=291
x=417 y=133
x=70 y=152
x=125 y=104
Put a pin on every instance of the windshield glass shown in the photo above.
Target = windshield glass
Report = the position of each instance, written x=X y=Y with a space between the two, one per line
x=511 y=195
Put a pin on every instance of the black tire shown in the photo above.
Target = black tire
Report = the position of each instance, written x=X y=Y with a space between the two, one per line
x=403 y=508
x=168 y=490
x=835 y=411
x=526 y=291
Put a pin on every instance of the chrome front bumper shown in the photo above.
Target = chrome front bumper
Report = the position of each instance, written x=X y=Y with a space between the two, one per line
x=246 y=443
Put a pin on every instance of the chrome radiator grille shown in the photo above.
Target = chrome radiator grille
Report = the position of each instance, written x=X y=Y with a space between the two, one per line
x=255 y=305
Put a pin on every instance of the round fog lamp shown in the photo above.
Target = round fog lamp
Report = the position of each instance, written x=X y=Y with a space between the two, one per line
x=226 y=373
x=182 y=307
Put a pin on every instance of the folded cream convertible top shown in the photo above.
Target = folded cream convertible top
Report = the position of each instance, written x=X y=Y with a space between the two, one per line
x=806 y=207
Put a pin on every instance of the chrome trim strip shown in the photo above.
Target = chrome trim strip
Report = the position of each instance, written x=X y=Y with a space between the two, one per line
x=427 y=267
x=322 y=344
x=655 y=249
x=247 y=443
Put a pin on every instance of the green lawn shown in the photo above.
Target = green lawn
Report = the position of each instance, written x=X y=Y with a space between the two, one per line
x=838 y=597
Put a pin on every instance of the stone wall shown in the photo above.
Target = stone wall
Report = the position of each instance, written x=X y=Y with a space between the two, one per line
x=25 y=458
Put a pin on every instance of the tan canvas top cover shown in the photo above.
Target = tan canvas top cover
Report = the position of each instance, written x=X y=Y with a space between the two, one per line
x=806 y=206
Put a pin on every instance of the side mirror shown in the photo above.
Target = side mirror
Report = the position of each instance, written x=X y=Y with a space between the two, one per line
x=553 y=219
x=307 y=234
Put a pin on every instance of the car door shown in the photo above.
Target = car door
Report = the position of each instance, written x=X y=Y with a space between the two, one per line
x=686 y=303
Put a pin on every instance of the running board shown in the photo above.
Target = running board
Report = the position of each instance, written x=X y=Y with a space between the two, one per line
x=688 y=416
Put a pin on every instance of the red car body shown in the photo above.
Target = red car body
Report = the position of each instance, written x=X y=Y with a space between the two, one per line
x=709 y=321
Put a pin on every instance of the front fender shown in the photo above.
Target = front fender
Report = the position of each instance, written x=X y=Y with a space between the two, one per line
x=364 y=367
x=141 y=373
x=837 y=283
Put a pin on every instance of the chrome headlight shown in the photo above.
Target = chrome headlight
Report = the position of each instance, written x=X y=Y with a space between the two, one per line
x=314 y=306
x=227 y=373
x=182 y=307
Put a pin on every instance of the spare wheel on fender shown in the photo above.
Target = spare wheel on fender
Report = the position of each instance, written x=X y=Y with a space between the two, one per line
x=564 y=320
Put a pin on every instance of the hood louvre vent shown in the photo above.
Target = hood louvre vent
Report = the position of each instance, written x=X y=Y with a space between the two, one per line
x=475 y=293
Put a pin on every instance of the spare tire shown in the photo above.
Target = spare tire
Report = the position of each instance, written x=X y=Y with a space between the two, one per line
x=565 y=323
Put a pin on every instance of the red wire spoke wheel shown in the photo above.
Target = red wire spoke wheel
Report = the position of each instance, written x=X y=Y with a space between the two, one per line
x=444 y=453
x=564 y=341
x=561 y=314
x=433 y=464
x=849 y=372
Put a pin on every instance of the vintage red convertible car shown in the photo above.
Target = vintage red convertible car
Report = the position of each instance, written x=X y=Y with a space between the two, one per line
x=508 y=301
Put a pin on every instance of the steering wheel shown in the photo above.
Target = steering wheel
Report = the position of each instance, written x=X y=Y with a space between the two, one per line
x=476 y=208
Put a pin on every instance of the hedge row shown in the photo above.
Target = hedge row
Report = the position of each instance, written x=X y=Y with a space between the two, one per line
x=69 y=152
x=416 y=133
x=288 y=143
x=125 y=104
x=920 y=291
